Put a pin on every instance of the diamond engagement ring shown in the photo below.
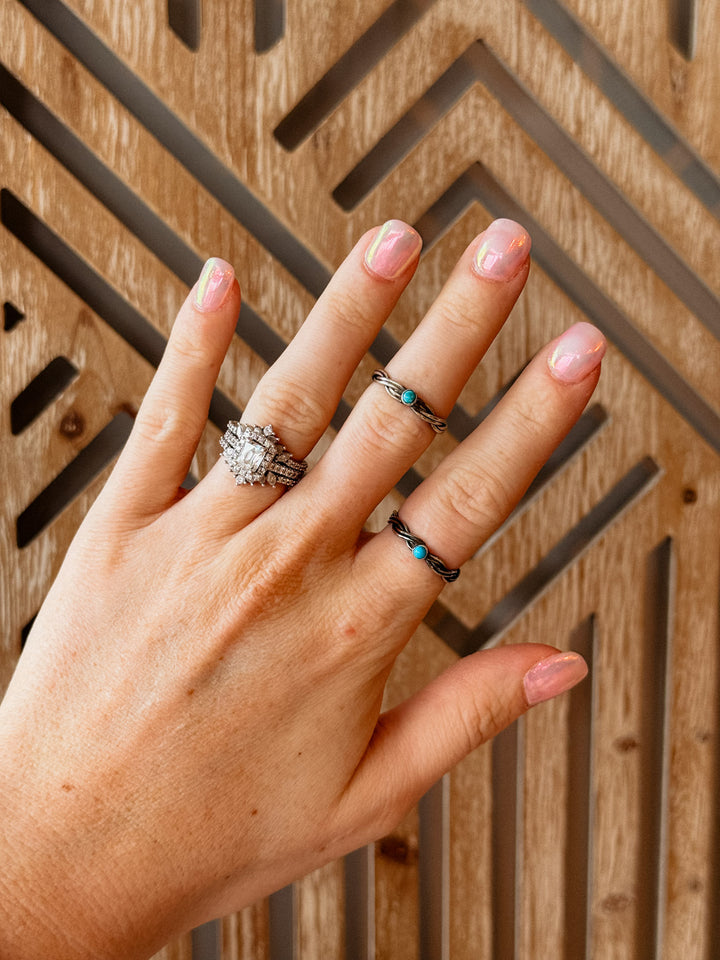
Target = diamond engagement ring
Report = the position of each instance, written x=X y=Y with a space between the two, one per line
x=410 y=399
x=256 y=455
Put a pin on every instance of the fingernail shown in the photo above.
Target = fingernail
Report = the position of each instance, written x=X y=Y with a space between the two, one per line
x=392 y=251
x=578 y=351
x=214 y=285
x=553 y=676
x=504 y=248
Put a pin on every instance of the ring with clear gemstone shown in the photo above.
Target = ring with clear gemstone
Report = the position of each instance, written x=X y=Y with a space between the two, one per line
x=256 y=455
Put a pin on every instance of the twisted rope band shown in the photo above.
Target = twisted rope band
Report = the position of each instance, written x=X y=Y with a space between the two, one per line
x=410 y=399
x=420 y=550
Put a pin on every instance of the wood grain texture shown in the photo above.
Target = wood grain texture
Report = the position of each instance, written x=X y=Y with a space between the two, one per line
x=638 y=37
x=591 y=829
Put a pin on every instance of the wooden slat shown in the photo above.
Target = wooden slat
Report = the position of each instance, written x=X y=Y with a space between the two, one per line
x=245 y=935
x=471 y=932
x=320 y=900
x=637 y=35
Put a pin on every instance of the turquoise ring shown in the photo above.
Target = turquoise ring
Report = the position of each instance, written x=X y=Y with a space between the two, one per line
x=408 y=398
x=420 y=549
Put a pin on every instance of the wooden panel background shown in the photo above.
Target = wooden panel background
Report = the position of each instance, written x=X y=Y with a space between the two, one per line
x=140 y=137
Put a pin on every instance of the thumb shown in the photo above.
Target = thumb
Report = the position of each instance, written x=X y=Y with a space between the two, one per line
x=418 y=741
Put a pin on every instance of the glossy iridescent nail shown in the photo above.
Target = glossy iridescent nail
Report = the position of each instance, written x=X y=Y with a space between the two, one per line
x=394 y=248
x=504 y=247
x=553 y=676
x=578 y=351
x=214 y=285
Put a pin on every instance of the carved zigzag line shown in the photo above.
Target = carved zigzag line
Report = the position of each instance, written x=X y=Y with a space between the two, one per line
x=479 y=64
x=626 y=492
x=282 y=244
x=478 y=185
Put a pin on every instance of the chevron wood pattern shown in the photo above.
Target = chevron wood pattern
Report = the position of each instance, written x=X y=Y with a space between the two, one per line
x=140 y=137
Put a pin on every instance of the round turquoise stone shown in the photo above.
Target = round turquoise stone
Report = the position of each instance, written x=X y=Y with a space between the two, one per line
x=420 y=551
x=409 y=397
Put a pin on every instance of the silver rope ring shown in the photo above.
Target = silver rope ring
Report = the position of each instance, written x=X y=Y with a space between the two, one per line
x=256 y=455
x=409 y=398
x=420 y=549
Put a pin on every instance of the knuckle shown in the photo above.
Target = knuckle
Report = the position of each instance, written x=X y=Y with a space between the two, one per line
x=291 y=405
x=269 y=576
x=347 y=309
x=475 y=496
x=161 y=422
x=481 y=717
x=191 y=351
x=458 y=315
x=528 y=422
x=390 y=431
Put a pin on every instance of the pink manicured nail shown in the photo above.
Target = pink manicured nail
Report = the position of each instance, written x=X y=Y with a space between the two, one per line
x=504 y=248
x=392 y=251
x=552 y=676
x=578 y=351
x=214 y=284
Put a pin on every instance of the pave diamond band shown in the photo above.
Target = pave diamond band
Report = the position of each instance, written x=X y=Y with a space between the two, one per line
x=256 y=455
x=410 y=399
x=420 y=549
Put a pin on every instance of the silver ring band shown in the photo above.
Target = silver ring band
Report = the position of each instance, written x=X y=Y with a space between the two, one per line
x=409 y=398
x=420 y=549
x=256 y=455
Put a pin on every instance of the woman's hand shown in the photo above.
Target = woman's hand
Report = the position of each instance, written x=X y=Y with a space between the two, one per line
x=196 y=718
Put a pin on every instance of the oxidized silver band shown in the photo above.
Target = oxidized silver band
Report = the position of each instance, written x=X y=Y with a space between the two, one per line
x=256 y=455
x=420 y=550
x=410 y=399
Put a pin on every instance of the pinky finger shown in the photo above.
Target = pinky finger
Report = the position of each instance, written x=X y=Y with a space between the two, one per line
x=172 y=416
x=467 y=705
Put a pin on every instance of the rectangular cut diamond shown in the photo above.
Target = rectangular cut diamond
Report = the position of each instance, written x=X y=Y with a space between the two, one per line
x=251 y=455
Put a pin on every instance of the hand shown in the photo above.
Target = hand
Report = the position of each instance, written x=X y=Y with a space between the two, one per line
x=196 y=718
